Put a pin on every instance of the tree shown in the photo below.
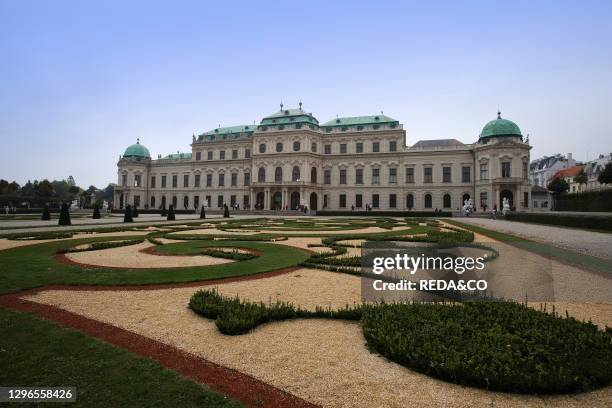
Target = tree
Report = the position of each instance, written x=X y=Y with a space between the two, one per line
x=64 y=218
x=558 y=185
x=605 y=177
x=171 y=216
x=46 y=215
x=202 y=213
x=127 y=217
x=225 y=211
x=135 y=212
x=96 y=212
x=581 y=178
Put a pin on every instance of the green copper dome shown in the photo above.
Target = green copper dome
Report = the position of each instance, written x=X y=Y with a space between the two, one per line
x=500 y=127
x=137 y=150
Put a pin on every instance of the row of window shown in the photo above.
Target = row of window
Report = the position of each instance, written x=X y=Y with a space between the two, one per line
x=222 y=154
x=327 y=148
x=186 y=203
x=409 y=201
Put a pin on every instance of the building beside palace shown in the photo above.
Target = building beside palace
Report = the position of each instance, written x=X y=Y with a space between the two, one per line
x=290 y=160
x=542 y=170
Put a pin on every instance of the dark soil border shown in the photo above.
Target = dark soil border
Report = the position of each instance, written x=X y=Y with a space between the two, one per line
x=243 y=387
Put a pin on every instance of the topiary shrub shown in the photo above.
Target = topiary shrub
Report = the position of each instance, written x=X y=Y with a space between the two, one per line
x=127 y=217
x=64 y=218
x=495 y=345
x=164 y=213
x=46 y=214
x=225 y=211
x=171 y=216
x=96 y=212
x=135 y=212
x=202 y=213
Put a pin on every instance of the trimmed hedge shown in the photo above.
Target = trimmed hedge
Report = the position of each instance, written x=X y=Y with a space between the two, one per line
x=590 y=201
x=566 y=220
x=340 y=213
x=500 y=346
x=95 y=246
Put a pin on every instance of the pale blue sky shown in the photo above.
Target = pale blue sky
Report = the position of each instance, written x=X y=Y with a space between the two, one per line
x=80 y=81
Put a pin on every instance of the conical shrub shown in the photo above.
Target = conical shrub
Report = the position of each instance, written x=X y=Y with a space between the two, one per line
x=128 y=214
x=64 y=218
x=96 y=212
x=202 y=213
x=171 y=216
x=135 y=212
x=225 y=211
x=46 y=214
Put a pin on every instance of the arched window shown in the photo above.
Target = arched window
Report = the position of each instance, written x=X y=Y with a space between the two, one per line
x=261 y=175
x=428 y=201
x=296 y=146
x=446 y=201
x=409 y=201
x=186 y=202
x=295 y=174
x=262 y=148
x=153 y=202
x=278 y=175
x=163 y=202
x=313 y=147
x=279 y=147
x=174 y=201
x=313 y=175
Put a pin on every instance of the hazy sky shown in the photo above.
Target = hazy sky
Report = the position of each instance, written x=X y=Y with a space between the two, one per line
x=80 y=81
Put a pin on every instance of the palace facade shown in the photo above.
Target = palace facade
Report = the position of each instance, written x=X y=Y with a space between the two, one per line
x=290 y=160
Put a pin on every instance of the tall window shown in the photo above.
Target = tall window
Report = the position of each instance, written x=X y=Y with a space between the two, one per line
x=483 y=199
x=375 y=176
x=359 y=147
x=446 y=201
x=428 y=175
x=313 y=147
x=261 y=174
x=152 y=181
x=163 y=181
x=198 y=155
x=137 y=180
x=409 y=201
x=209 y=155
x=196 y=180
x=262 y=148
x=185 y=202
x=392 y=175
x=234 y=154
x=446 y=174
x=327 y=149
x=209 y=180
x=221 y=180
x=247 y=153
x=174 y=201
x=393 y=146
x=342 y=176
x=222 y=155
x=234 y=179
x=313 y=175
x=296 y=146
x=278 y=175
x=409 y=174
x=343 y=148
x=376 y=147
x=358 y=200
x=484 y=171
x=342 y=200
x=186 y=180
x=375 y=201
x=220 y=201
x=174 y=181
x=358 y=176
x=525 y=170
x=247 y=179
x=428 y=201
x=295 y=173
x=153 y=202
x=466 y=174
x=327 y=176
x=505 y=169
x=196 y=202
x=124 y=180
x=279 y=147
x=392 y=200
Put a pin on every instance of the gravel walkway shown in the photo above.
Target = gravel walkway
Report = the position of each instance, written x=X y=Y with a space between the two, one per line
x=588 y=242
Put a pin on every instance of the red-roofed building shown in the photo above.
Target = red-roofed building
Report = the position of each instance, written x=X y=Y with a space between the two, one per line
x=568 y=175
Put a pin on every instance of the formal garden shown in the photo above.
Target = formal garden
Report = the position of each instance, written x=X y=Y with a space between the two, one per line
x=269 y=312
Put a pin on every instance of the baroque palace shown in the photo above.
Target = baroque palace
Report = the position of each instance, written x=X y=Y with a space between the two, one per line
x=290 y=160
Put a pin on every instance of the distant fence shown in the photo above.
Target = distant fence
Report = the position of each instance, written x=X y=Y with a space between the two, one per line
x=591 y=201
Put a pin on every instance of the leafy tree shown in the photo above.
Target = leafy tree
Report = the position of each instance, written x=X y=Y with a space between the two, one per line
x=127 y=217
x=46 y=215
x=44 y=189
x=558 y=185
x=605 y=177
x=581 y=178
x=64 y=218
x=96 y=212
x=171 y=216
x=202 y=213
x=225 y=211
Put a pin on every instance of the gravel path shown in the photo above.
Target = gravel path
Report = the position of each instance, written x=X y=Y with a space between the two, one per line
x=588 y=242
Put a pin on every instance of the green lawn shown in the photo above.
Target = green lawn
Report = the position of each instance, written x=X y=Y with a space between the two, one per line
x=34 y=352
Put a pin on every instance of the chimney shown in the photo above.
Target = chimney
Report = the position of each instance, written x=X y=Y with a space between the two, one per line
x=570 y=160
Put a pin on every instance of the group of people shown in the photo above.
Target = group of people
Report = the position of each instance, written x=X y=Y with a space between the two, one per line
x=10 y=209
